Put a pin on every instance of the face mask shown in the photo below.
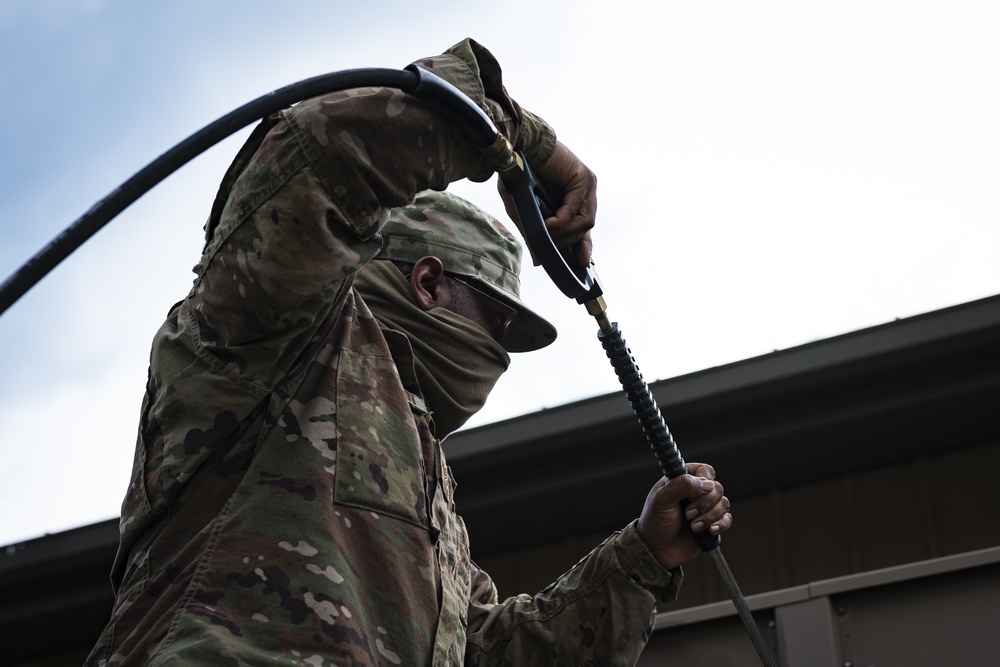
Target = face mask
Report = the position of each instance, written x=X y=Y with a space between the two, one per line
x=456 y=361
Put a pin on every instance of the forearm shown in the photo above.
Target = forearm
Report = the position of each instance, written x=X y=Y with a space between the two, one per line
x=601 y=610
x=375 y=149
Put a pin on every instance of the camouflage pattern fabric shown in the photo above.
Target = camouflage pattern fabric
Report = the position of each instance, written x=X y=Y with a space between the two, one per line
x=289 y=504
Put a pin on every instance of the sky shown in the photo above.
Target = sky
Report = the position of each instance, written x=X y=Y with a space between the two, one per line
x=770 y=174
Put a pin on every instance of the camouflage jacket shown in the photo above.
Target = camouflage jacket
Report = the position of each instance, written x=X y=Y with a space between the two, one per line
x=289 y=504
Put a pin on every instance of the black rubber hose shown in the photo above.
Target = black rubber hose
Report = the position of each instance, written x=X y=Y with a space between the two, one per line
x=650 y=420
x=437 y=91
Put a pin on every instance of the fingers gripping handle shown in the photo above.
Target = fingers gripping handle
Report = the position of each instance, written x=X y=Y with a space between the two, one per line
x=530 y=195
x=644 y=405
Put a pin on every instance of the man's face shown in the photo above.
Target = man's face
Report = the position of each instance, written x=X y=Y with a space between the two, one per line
x=474 y=302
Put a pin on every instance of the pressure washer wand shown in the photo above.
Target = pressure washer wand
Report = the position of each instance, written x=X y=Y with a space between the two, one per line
x=582 y=284
x=667 y=454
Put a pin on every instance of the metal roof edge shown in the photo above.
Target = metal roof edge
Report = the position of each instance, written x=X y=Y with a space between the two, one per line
x=57 y=549
x=855 y=346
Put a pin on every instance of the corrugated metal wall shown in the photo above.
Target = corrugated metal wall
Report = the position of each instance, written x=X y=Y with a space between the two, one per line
x=927 y=508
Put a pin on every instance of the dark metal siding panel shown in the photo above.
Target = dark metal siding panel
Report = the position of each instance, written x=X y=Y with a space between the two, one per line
x=966 y=497
x=889 y=526
x=815 y=527
x=807 y=634
x=67 y=659
x=720 y=642
x=952 y=619
x=755 y=551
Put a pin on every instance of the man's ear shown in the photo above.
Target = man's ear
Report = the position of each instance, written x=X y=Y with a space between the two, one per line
x=427 y=283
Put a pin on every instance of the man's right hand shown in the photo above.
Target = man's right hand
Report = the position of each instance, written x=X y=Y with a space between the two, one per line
x=575 y=217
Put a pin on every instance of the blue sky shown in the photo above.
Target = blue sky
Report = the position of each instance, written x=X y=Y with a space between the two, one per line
x=770 y=173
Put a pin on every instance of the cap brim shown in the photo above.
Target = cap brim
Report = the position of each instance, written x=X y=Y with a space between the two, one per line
x=529 y=330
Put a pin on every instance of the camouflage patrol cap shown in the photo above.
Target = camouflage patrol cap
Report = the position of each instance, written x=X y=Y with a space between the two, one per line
x=473 y=244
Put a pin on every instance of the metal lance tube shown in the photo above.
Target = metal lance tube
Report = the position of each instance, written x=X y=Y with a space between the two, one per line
x=668 y=455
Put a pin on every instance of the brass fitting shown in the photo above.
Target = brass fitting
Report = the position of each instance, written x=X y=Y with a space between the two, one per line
x=596 y=306
x=502 y=156
x=599 y=310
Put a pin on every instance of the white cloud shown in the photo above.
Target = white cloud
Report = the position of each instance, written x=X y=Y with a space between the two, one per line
x=67 y=453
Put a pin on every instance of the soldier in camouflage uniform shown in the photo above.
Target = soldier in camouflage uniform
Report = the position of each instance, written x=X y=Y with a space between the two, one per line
x=290 y=502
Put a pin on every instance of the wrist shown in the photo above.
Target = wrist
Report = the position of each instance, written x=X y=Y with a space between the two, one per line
x=659 y=552
x=638 y=562
x=536 y=139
